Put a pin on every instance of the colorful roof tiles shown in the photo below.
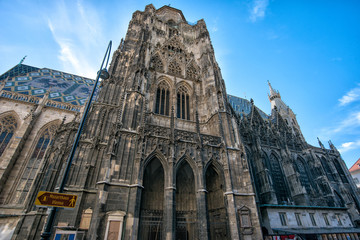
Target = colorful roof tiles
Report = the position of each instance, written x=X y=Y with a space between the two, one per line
x=63 y=87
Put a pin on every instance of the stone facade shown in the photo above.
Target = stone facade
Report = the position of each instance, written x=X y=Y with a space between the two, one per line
x=292 y=177
x=166 y=154
x=22 y=160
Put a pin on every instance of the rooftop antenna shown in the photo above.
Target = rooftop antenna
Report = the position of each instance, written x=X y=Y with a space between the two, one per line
x=22 y=60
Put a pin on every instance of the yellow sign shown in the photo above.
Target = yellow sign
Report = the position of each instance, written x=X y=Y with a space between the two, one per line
x=53 y=199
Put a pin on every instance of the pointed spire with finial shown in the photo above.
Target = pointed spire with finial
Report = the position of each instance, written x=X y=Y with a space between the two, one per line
x=273 y=94
x=332 y=146
x=22 y=60
x=320 y=143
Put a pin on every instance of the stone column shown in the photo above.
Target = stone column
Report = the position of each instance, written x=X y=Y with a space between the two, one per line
x=201 y=206
x=169 y=204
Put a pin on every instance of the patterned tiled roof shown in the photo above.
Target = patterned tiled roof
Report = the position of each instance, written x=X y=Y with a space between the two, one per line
x=18 y=70
x=63 y=87
x=241 y=105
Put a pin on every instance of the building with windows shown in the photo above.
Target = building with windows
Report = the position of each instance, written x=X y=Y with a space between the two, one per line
x=34 y=104
x=165 y=152
x=355 y=172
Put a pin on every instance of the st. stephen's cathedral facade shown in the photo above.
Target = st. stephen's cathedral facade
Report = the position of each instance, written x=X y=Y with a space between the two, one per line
x=165 y=153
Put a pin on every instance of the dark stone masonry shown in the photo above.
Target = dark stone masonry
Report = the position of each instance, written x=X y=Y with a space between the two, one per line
x=166 y=154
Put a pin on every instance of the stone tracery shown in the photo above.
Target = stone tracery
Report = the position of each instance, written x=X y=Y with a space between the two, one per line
x=8 y=126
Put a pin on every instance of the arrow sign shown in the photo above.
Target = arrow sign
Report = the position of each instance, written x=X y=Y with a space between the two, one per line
x=53 y=199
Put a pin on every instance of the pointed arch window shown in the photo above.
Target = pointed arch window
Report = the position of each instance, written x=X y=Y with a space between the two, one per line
x=327 y=168
x=183 y=103
x=8 y=126
x=29 y=173
x=162 y=104
x=278 y=179
x=174 y=68
x=157 y=64
x=304 y=178
x=191 y=72
x=340 y=171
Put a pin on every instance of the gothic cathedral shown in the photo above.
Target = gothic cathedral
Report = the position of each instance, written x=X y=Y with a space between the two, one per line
x=166 y=154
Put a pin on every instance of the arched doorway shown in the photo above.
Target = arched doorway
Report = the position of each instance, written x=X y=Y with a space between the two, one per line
x=152 y=202
x=185 y=203
x=218 y=223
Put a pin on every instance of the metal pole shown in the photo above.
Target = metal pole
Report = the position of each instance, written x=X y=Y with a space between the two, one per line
x=45 y=235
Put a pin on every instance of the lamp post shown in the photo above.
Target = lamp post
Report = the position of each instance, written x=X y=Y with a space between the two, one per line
x=102 y=73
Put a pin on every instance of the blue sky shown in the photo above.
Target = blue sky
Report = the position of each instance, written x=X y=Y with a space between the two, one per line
x=309 y=50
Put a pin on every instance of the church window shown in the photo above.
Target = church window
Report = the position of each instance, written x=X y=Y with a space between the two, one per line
x=162 y=104
x=327 y=168
x=278 y=179
x=304 y=179
x=33 y=164
x=340 y=171
x=191 y=72
x=183 y=103
x=8 y=126
x=174 y=68
x=157 y=64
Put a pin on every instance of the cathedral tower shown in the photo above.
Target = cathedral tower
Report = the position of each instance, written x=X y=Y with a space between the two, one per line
x=285 y=111
x=160 y=156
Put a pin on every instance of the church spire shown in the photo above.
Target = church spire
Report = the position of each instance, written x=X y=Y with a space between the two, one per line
x=273 y=94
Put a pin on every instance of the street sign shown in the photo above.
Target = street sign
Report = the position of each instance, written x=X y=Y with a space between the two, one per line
x=53 y=199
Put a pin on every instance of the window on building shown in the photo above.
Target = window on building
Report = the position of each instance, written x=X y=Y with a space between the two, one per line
x=325 y=216
x=157 y=64
x=337 y=215
x=340 y=171
x=8 y=126
x=174 y=68
x=298 y=219
x=183 y=103
x=34 y=162
x=278 y=180
x=283 y=218
x=191 y=72
x=312 y=218
x=304 y=178
x=162 y=104
x=327 y=169
x=114 y=225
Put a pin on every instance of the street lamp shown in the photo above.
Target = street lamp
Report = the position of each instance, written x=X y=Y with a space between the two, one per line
x=102 y=73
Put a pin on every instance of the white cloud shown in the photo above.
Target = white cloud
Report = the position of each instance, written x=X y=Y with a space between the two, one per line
x=77 y=30
x=258 y=9
x=351 y=122
x=350 y=125
x=351 y=96
x=349 y=146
